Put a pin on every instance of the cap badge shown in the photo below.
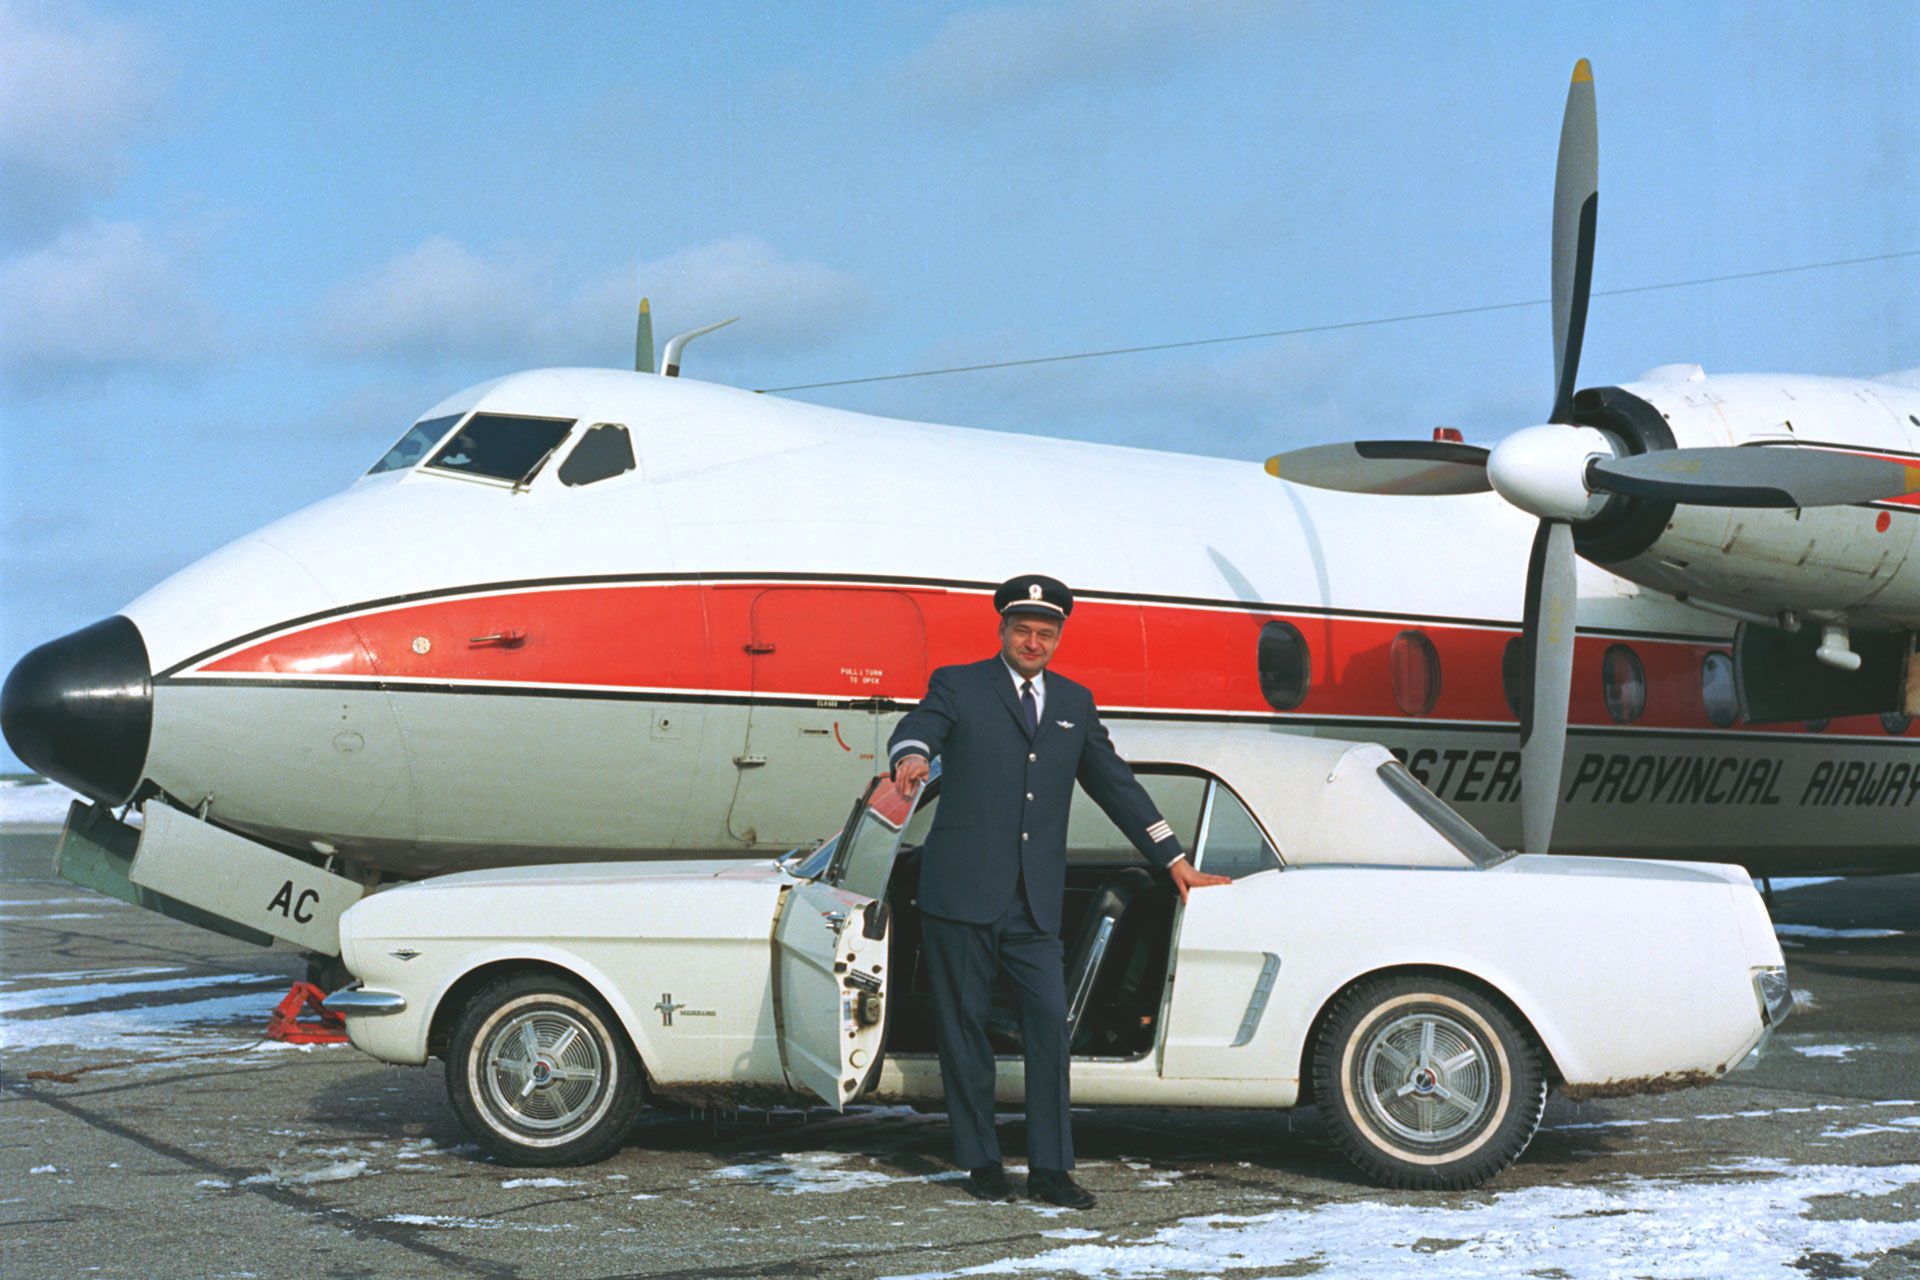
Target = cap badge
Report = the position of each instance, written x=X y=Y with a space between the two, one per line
x=1033 y=591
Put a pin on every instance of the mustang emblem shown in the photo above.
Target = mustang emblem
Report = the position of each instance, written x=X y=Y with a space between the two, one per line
x=1064 y=724
x=404 y=954
x=667 y=1007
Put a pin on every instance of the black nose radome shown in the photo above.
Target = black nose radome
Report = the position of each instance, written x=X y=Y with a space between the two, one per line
x=80 y=709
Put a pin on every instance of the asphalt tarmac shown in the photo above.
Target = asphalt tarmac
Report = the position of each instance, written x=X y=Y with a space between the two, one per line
x=146 y=1131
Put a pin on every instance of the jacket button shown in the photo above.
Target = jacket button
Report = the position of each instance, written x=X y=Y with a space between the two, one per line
x=1032 y=756
x=1029 y=795
x=1023 y=835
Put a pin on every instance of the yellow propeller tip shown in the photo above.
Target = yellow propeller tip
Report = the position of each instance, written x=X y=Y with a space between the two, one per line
x=644 y=306
x=1583 y=72
x=1273 y=466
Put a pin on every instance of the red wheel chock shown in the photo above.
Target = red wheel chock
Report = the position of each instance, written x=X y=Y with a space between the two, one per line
x=286 y=1023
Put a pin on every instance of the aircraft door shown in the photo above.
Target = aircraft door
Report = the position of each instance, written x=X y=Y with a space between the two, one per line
x=831 y=954
x=828 y=664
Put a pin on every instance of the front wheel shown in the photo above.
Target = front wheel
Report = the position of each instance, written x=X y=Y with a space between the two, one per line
x=540 y=1074
x=1427 y=1083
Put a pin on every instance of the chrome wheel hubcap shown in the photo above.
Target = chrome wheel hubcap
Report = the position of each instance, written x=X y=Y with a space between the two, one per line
x=543 y=1070
x=1427 y=1078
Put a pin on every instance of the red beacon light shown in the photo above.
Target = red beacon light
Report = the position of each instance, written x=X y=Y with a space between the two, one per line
x=1449 y=435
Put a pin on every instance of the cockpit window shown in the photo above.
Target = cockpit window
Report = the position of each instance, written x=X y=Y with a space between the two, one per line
x=413 y=446
x=502 y=447
x=604 y=452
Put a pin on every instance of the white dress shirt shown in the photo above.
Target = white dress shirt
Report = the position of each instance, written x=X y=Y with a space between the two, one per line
x=1039 y=689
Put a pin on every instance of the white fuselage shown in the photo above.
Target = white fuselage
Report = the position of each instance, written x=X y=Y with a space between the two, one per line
x=428 y=671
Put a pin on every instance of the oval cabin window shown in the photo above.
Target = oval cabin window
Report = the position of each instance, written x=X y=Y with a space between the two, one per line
x=1716 y=690
x=1285 y=669
x=1415 y=669
x=1624 y=681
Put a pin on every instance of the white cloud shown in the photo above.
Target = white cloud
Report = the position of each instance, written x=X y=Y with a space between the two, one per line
x=74 y=90
x=1006 y=54
x=101 y=296
x=440 y=301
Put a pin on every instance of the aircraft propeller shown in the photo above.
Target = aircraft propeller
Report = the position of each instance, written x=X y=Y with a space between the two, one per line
x=1564 y=473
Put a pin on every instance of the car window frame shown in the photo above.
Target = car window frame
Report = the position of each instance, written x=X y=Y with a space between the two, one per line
x=1216 y=784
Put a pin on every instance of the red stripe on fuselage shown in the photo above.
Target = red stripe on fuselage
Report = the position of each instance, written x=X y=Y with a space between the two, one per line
x=859 y=641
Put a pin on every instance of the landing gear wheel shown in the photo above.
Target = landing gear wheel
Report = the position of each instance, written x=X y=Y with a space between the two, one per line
x=1427 y=1083
x=541 y=1074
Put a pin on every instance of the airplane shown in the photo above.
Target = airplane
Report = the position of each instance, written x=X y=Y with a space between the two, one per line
x=590 y=613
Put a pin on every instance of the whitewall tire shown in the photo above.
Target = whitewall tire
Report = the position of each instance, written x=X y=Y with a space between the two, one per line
x=1427 y=1082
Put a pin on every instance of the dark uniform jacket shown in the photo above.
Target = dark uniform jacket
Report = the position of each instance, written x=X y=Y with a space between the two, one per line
x=1004 y=796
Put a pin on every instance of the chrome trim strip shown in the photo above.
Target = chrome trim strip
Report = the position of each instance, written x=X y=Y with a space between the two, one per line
x=1095 y=955
x=1257 y=1006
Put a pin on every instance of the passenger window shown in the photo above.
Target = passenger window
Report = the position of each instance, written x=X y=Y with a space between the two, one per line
x=1513 y=674
x=604 y=452
x=1233 y=845
x=1623 y=681
x=1284 y=665
x=1092 y=837
x=1414 y=670
x=501 y=447
x=413 y=446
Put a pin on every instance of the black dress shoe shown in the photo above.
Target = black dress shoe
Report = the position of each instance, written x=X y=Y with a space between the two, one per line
x=989 y=1182
x=1056 y=1186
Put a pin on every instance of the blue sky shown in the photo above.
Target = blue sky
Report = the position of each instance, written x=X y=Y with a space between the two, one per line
x=242 y=246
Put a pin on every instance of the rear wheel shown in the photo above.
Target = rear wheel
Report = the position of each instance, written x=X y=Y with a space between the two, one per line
x=1427 y=1082
x=541 y=1074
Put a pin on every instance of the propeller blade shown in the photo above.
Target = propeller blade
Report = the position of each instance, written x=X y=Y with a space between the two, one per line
x=1576 y=204
x=1756 y=476
x=1547 y=639
x=643 y=340
x=1423 y=467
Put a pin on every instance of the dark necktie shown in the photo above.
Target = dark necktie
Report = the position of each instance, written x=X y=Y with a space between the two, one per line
x=1029 y=707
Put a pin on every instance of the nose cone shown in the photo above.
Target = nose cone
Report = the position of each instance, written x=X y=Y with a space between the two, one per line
x=80 y=709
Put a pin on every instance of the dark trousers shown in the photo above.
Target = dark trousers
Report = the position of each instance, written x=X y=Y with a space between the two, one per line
x=962 y=959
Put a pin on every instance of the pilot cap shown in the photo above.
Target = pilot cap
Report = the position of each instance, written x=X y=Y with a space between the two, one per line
x=1035 y=594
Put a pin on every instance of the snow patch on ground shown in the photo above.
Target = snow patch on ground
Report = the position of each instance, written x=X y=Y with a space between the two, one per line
x=1818 y=931
x=146 y=1028
x=513 y=1183
x=338 y=1171
x=1753 y=1225
x=34 y=802
x=1840 y=1051
x=807 y=1172
x=36 y=980
x=1899 y=1124
x=449 y=1222
x=93 y=992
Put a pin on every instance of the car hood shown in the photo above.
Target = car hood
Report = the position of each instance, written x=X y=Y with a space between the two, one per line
x=682 y=899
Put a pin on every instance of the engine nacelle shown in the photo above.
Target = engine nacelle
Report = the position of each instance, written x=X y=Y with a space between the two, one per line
x=1849 y=563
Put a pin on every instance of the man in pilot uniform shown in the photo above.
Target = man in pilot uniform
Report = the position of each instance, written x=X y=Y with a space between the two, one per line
x=992 y=871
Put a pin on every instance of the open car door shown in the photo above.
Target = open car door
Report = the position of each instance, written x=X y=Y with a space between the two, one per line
x=830 y=953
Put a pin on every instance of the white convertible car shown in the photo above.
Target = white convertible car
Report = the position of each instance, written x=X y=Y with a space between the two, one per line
x=1373 y=955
